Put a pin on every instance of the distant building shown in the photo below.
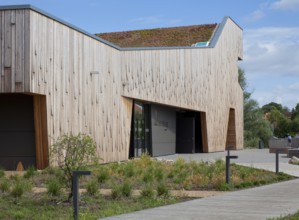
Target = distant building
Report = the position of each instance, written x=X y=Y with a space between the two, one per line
x=165 y=99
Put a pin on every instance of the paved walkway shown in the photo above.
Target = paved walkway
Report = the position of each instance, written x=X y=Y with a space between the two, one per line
x=253 y=204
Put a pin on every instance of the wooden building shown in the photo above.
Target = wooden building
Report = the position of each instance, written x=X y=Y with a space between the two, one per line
x=56 y=79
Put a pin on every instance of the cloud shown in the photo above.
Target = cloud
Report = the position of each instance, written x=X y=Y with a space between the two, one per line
x=285 y=5
x=286 y=95
x=272 y=50
x=271 y=64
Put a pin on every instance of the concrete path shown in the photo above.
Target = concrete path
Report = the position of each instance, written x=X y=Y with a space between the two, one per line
x=263 y=202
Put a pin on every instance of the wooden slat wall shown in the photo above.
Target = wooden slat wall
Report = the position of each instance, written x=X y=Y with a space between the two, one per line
x=42 y=56
x=14 y=54
x=203 y=79
x=62 y=60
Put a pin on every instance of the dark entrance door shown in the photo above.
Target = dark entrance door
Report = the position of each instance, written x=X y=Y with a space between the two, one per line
x=17 y=136
x=185 y=142
x=140 y=131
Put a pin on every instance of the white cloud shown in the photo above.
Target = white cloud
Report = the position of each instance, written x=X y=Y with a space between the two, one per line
x=271 y=64
x=272 y=50
x=286 y=95
x=285 y=5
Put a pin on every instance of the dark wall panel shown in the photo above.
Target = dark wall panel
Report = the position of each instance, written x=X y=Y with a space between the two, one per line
x=163 y=130
x=17 y=137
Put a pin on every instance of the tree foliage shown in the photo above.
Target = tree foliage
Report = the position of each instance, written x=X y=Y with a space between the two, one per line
x=283 y=121
x=73 y=152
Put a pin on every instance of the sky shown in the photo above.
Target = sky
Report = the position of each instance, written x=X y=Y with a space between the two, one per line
x=270 y=32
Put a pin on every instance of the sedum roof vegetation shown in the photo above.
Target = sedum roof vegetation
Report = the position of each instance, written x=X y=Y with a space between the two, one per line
x=161 y=37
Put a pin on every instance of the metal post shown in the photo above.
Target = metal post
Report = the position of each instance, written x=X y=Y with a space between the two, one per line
x=75 y=190
x=277 y=161
x=227 y=173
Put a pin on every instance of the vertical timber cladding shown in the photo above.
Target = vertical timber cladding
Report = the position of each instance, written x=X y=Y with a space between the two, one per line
x=197 y=79
x=14 y=53
x=80 y=76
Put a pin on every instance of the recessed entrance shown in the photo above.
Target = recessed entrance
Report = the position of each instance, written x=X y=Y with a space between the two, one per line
x=189 y=132
x=21 y=129
x=162 y=130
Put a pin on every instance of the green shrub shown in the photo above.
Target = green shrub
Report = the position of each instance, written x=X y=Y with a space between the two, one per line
x=148 y=176
x=71 y=153
x=159 y=174
x=15 y=177
x=54 y=187
x=4 y=185
x=30 y=172
x=116 y=192
x=180 y=177
x=162 y=190
x=92 y=187
x=147 y=192
x=20 y=187
x=179 y=164
x=129 y=170
x=126 y=189
x=103 y=175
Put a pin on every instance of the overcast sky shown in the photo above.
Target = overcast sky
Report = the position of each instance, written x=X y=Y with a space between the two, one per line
x=271 y=32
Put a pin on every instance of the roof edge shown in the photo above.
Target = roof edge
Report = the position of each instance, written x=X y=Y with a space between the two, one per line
x=213 y=40
x=40 y=11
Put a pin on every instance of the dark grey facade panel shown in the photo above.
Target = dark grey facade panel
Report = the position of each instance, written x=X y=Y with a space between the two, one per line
x=163 y=121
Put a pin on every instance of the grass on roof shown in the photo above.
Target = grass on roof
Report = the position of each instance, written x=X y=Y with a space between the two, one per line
x=161 y=37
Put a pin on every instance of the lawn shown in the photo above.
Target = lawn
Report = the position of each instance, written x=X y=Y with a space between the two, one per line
x=153 y=178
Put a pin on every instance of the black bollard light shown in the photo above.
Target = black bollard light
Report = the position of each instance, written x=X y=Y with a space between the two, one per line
x=227 y=173
x=75 y=190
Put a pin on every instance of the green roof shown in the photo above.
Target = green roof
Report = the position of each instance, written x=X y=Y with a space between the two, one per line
x=161 y=37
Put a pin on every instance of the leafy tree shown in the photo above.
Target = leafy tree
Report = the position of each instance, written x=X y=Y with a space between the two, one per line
x=295 y=111
x=71 y=153
x=272 y=105
x=256 y=128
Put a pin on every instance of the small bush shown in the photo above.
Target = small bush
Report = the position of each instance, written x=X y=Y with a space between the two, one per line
x=54 y=187
x=20 y=187
x=116 y=192
x=162 y=190
x=147 y=192
x=129 y=170
x=92 y=187
x=126 y=189
x=30 y=172
x=4 y=185
x=148 y=176
x=71 y=153
x=159 y=174
x=103 y=175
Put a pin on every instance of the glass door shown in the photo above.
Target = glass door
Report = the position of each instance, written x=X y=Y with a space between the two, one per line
x=141 y=129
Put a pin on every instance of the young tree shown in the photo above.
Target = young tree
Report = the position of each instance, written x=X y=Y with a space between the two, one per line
x=72 y=153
